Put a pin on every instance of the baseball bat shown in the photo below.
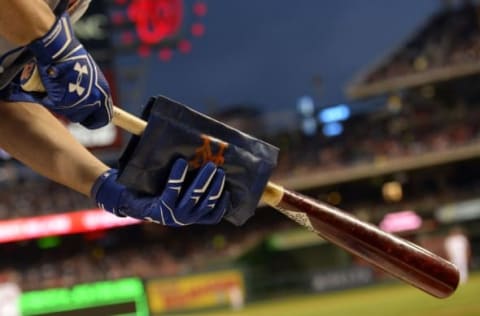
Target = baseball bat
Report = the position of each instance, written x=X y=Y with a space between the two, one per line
x=400 y=258
x=396 y=256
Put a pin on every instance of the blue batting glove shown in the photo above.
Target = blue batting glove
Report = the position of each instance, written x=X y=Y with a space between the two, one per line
x=201 y=203
x=75 y=86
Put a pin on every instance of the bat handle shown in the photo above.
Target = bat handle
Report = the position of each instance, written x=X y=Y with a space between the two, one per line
x=127 y=121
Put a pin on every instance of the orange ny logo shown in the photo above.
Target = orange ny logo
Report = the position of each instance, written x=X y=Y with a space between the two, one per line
x=204 y=153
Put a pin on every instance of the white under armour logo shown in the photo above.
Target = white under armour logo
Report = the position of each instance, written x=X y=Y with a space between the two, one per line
x=76 y=87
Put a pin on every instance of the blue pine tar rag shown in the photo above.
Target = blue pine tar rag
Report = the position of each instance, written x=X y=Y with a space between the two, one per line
x=175 y=130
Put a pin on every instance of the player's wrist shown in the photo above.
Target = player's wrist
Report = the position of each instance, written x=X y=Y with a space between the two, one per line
x=106 y=191
x=42 y=26
x=56 y=42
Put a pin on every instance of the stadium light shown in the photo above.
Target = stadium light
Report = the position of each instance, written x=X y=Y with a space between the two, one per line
x=306 y=106
x=401 y=221
x=332 y=129
x=335 y=113
x=309 y=126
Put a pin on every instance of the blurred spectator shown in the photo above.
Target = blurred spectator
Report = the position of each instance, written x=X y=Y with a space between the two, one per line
x=457 y=248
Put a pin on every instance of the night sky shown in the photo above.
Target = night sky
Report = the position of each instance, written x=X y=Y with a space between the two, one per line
x=268 y=53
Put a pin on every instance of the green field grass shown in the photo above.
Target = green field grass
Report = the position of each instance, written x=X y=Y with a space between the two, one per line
x=384 y=300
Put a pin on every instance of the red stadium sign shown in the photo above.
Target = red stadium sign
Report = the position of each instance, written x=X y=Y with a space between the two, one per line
x=161 y=26
x=60 y=224
x=156 y=20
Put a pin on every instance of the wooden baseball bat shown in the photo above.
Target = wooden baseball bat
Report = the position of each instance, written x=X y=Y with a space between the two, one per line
x=396 y=256
x=402 y=259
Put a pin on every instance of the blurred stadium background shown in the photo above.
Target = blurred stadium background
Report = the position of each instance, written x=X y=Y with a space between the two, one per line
x=374 y=105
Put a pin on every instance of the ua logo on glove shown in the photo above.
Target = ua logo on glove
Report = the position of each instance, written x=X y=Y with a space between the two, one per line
x=76 y=87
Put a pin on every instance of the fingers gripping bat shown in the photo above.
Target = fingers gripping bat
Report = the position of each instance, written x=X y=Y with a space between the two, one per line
x=396 y=256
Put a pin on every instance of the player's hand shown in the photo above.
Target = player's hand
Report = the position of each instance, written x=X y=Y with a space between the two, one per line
x=203 y=201
x=75 y=86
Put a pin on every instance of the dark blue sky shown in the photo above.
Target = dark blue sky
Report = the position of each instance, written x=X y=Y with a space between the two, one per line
x=267 y=52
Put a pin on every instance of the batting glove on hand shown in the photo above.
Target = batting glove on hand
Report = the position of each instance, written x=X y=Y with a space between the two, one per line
x=201 y=203
x=75 y=86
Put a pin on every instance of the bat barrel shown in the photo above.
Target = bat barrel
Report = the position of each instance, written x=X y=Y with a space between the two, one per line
x=402 y=259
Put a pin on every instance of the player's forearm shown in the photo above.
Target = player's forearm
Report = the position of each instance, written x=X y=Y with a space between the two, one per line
x=22 y=21
x=31 y=134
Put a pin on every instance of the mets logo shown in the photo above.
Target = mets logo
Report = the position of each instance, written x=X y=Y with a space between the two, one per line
x=164 y=25
x=212 y=149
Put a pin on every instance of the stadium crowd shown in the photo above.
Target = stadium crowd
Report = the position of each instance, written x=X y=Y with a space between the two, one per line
x=414 y=130
x=410 y=131
x=147 y=251
x=132 y=252
x=417 y=127
x=449 y=38
x=37 y=196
